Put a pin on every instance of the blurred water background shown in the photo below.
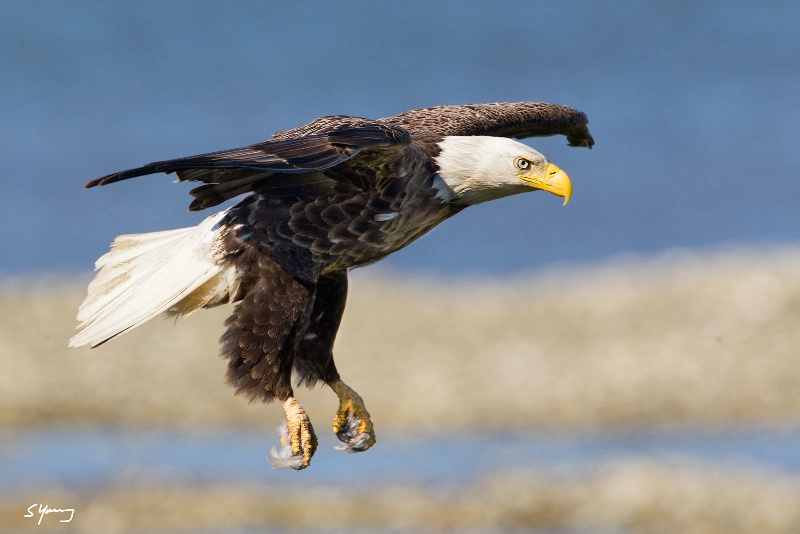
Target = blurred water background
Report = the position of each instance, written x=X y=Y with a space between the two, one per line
x=693 y=106
x=642 y=340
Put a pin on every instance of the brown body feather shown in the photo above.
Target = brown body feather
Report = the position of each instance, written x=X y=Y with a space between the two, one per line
x=308 y=237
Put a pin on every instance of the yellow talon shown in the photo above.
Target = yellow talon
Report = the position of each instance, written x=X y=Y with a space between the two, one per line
x=297 y=437
x=352 y=424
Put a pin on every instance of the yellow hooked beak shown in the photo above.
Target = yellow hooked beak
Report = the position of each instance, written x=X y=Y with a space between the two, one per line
x=555 y=181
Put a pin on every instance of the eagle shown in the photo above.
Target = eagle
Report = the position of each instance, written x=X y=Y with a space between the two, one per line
x=336 y=193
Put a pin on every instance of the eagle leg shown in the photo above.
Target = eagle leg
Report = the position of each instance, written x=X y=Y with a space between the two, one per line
x=297 y=437
x=352 y=424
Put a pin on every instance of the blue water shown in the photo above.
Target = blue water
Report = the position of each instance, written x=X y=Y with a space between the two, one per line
x=86 y=458
x=694 y=106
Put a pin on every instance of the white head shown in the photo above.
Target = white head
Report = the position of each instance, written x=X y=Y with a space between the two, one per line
x=481 y=168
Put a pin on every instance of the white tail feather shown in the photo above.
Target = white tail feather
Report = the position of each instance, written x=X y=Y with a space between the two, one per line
x=144 y=275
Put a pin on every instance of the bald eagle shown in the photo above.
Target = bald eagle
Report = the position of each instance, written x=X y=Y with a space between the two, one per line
x=323 y=198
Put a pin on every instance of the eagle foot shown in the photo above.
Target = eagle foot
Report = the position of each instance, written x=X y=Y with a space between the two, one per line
x=298 y=440
x=352 y=424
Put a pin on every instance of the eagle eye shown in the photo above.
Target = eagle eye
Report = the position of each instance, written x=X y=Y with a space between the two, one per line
x=523 y=164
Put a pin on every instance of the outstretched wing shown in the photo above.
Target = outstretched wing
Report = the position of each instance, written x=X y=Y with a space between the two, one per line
x=232 y=172
x=503 y=119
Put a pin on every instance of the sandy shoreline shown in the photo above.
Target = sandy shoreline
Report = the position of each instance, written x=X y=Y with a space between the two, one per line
x=697 y=339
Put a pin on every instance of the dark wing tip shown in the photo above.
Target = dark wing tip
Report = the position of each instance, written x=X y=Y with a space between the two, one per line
x=578 y=135
x=110 y=179
x=583 y=141
x=577 y=131
x=151 y=168
x=200 y=205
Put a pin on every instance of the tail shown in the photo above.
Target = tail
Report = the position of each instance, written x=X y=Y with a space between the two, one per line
x=144 y=275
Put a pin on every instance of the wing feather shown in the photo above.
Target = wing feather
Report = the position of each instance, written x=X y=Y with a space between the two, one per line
x=313 y=152
x=502 y=119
